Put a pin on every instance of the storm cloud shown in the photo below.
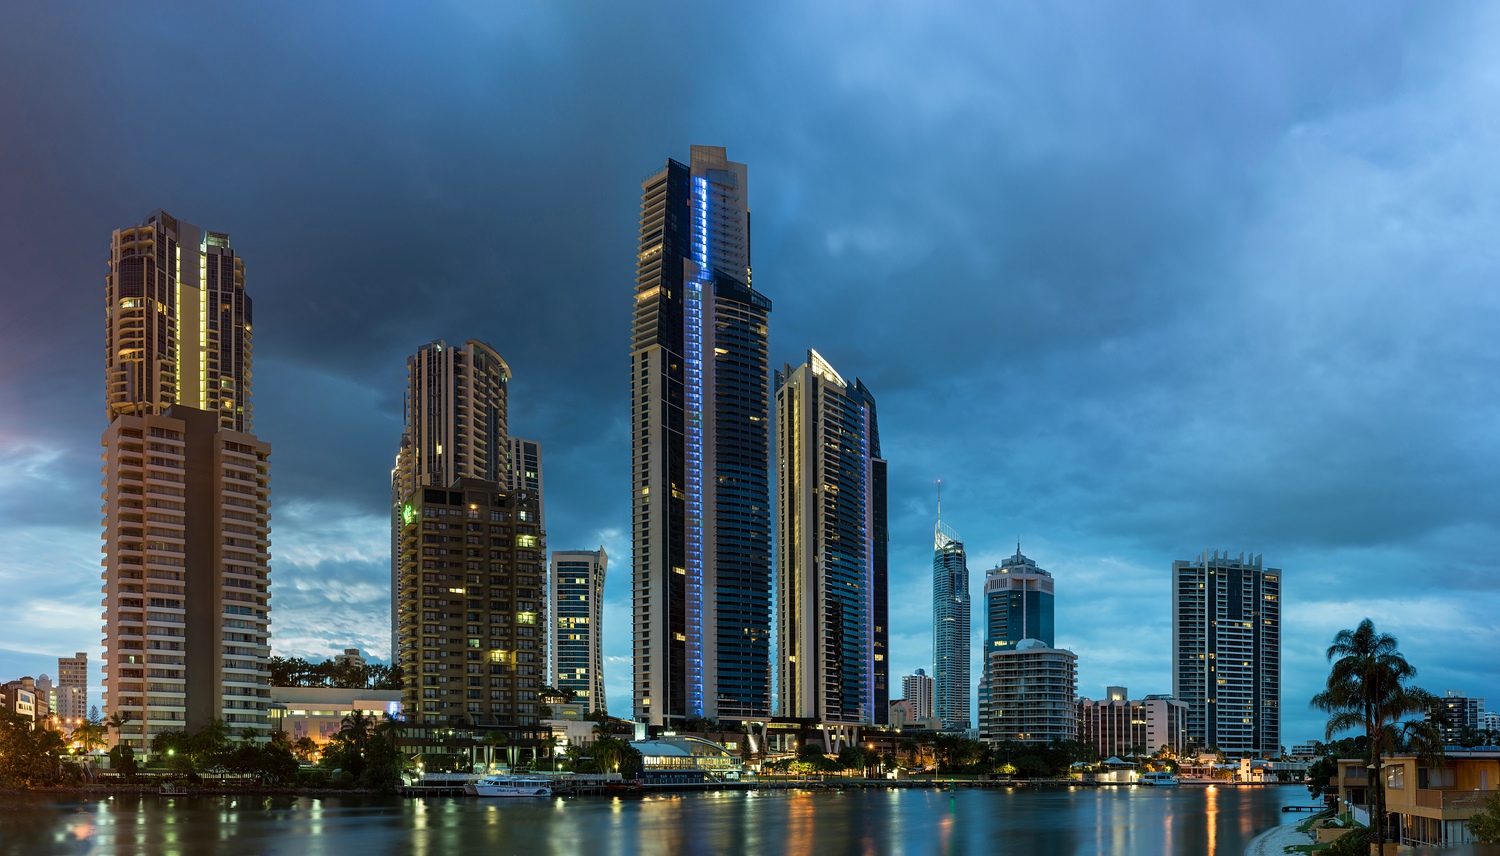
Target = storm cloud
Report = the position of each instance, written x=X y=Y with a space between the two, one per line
x=1134 y=281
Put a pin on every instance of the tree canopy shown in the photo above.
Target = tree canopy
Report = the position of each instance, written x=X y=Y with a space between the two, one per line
x=297 y=672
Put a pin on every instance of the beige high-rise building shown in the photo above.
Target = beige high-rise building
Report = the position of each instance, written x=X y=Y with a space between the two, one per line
x=73 y=687
x=186 y=490
x=456 y=407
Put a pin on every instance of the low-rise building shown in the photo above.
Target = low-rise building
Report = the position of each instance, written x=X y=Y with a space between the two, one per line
x=679 y=759
x=1122 y=726
x=24 y=698
x=318 y=712
x=1430 y=803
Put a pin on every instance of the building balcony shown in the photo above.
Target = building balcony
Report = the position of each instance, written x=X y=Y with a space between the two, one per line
x=1454 y=804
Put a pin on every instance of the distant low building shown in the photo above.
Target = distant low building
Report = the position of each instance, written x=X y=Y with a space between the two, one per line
x=21 y=698
x=350 y=657
x=1460 y=713
x=917 y=688
x=1305 y=750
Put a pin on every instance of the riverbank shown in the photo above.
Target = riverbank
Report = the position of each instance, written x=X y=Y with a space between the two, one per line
x=1273 y=842
x=110 y=790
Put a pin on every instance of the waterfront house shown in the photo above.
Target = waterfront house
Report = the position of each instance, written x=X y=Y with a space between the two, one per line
x=1427 y=803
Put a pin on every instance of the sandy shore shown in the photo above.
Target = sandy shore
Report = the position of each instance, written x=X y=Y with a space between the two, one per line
x=1273 y=842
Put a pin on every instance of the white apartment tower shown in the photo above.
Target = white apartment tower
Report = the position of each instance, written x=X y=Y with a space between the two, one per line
x=1226 y=652
x=917 y=690
x=186 y=489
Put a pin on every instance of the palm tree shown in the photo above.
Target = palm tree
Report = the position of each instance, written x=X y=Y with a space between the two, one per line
x=356 y=729
x=117 y=721
x=1368 y=688
x=89 y=736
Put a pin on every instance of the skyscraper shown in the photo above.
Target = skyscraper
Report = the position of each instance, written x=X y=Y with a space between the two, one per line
x=1226 y=652
x=830 y=553
x=701 y=519
x=1017 y=605
x=186 y=489
x=951 y=614
x=455 y=426
x=576 y=651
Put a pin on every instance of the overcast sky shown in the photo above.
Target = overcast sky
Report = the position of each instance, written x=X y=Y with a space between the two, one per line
x=1134 y=280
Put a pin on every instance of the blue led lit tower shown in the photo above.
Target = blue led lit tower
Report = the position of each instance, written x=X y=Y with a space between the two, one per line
x=700 y=419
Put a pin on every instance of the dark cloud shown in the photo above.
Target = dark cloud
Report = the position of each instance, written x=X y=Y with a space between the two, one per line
x=1134 y=282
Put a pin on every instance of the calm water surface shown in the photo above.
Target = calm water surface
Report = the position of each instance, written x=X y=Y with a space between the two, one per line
x=1196 y=820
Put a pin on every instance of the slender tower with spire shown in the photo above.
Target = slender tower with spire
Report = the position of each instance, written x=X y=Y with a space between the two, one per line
x=951 y=610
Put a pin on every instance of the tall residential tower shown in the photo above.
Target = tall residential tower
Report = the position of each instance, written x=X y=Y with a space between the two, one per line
x=455 y=426
x=830 y=549
x=1226 y=652
x=700 y=423
x=576 y=652
x=186 y=489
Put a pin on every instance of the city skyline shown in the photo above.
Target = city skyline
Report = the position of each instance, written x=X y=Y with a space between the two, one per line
x=1073 y=300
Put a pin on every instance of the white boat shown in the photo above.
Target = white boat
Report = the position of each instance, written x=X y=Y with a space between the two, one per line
x=1159 y=780
x=510 y=786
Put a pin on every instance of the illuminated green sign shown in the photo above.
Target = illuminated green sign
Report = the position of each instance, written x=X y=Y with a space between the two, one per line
x=408 y=514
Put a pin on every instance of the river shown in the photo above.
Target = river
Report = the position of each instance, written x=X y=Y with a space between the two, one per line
x=1216 y=821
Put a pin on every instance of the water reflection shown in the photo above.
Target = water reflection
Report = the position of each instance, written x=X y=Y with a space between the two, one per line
x=869 y=823
x=1211 y=811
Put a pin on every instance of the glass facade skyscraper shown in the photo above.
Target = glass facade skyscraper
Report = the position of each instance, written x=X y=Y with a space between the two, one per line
x=700 y=419
x=951 y=615
x=830 y=549
x=576 y=653
x=1017 y=603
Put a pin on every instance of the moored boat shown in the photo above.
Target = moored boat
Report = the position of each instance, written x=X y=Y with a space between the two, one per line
x=1159 y=780
x=510 y=786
